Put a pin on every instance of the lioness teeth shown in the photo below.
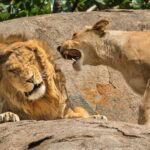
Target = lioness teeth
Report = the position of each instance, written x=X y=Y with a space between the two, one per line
x=73 y=59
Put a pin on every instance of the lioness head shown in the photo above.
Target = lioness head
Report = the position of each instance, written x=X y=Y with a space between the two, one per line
x=21 y=70
x=82 y=46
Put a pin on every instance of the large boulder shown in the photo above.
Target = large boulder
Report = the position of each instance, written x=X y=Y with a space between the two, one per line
x=99 y=89
x=79 y=134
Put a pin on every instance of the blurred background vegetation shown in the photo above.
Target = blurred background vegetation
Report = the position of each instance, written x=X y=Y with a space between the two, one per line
x=10 y=9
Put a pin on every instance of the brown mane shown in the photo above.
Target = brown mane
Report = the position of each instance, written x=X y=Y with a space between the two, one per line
x=52 y=104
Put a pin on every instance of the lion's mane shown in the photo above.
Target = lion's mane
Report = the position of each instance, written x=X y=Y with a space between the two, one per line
x=52 y=104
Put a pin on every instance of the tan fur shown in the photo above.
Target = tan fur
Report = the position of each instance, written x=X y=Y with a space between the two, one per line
x=20 y=59
x=126 y=51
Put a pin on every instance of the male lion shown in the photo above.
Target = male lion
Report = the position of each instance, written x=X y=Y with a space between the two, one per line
x=126 y=51
x=31 y=86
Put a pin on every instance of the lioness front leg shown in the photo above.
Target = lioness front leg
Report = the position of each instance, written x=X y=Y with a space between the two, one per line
x=9 y=117
x=79 y=112
x=144 y=110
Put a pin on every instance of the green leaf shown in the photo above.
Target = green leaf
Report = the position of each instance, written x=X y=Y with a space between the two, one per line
x=34 y=11
x=23 y=13
x=37 y=2
x=18 y=4
x=125 y=4
x=4 y=15
x=136 y=4
x=137 y=1
x=46 y=9
x=148 y=5
x=3 y=8
x=101 y=2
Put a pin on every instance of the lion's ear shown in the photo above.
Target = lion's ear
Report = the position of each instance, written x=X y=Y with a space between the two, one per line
x=100 y=25
x=4 y=56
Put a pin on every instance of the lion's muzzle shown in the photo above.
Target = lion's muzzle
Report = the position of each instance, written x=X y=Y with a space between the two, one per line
x=37 y=91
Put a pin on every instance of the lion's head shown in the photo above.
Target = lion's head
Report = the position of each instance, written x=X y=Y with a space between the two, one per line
x=21 y=69
x=83 y=44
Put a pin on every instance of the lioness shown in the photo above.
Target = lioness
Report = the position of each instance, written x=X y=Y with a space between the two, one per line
x=126 y=51
x=31 y=86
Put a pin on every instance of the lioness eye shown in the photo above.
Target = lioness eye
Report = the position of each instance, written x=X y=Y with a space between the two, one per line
x=74 y=34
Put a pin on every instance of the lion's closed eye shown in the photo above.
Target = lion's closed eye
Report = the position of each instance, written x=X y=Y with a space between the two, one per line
x=14 y=71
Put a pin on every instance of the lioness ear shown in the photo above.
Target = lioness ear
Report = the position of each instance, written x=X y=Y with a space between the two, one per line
x=100 y=25
x=4 y=56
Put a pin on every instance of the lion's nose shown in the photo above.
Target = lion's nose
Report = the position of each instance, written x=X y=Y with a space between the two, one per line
x=58 y=48
x=31 y=79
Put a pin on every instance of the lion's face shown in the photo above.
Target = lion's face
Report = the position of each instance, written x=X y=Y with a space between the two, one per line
x=22 y=71
x=82 y=47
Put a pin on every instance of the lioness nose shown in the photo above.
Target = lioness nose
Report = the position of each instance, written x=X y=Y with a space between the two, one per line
x=58 y=48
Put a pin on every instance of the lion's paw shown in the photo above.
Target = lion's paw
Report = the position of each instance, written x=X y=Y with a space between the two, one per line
x=9 y=117
x=101 y=117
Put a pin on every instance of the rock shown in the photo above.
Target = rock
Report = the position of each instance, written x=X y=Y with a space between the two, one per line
x=99 y=89
x=77 y=134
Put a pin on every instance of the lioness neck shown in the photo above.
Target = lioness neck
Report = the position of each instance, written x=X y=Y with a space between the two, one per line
x=111 y=49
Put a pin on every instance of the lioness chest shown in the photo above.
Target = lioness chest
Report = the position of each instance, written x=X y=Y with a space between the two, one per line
x=136 y=76
x=134 y=59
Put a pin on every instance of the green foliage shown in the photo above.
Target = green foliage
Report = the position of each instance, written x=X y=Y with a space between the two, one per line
x=10 y=9
x=83 y=5
x=16 y=8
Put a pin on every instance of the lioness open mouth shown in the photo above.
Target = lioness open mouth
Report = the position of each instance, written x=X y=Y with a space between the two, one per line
x=72 y=54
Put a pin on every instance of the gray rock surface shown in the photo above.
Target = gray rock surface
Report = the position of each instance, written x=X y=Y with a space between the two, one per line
x=79 y=134
x=99 y=89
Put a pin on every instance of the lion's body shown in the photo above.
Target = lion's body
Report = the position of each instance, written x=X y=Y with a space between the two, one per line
x=126 y=51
